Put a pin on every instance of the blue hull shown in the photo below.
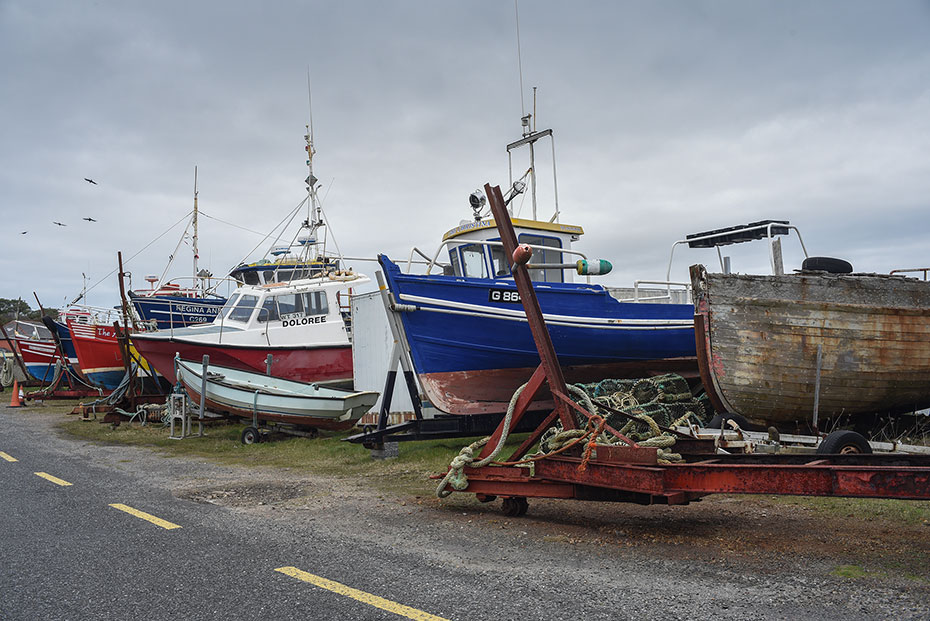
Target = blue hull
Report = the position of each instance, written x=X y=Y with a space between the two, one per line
x=67 y=345
x=470 y=331
x=41 y=372
x=107 y=380
x=176 y=311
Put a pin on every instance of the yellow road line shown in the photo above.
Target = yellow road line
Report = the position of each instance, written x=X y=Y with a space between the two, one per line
x=368 y=598
x=54 y=480
x=7 y=457
x=148 y=517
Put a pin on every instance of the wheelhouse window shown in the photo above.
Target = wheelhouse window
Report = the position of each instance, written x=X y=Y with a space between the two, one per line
x=229 y=306
x=291 y=304
x=473 y=261
x=454 y=260
x=315 y=303
x=244 y=308
x=269 y=311
x=251 y=278
x=498 y=264
x=544 y=256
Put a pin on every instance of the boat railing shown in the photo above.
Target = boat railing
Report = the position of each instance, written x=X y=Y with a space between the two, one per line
x=923 y=270
x=430 y=261
x=768 y=229
x=177 y=286
x=94 y=314
x=483 y=242
x=637 y=297
x=267 y=323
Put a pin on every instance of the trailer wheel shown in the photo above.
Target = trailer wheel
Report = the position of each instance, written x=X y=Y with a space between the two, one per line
x=844 y=442
x=515 y=506
x=250 y=435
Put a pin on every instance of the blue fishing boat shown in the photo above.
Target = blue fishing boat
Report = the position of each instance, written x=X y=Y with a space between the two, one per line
x=471 y=345
x=171 y=306
x=466 y=330
x=62 y=334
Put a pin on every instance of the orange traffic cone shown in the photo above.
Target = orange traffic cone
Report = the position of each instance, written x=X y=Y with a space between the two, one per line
x=16 y=400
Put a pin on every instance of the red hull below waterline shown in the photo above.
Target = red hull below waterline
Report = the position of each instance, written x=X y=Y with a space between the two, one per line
x=307 y=364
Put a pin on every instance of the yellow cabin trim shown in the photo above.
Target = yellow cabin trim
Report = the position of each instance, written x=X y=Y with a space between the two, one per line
x=554 y=227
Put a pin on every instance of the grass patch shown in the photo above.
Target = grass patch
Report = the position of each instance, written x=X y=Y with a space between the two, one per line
x=891 y=511
x=327 y=454
x=852 y=572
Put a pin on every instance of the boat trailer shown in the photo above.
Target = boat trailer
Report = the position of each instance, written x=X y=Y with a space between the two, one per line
x=630 y=472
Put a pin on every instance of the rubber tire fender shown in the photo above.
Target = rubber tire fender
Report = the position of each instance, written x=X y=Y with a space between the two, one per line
x=827 y=264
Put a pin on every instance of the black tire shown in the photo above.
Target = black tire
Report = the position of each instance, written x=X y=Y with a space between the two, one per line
x=844 y=442
x=250 y=435
x=827 y=264
x=515 y=506
x=719 y=420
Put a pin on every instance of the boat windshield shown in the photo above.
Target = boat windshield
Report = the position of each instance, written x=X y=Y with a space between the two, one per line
x=473 y=261
x=228 y=306
x=243 y=309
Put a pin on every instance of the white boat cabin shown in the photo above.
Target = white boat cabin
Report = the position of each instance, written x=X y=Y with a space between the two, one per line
x=475 y=249
x=288 y=313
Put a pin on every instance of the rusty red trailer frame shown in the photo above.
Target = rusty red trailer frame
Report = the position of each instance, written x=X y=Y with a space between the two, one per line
x=631 y=473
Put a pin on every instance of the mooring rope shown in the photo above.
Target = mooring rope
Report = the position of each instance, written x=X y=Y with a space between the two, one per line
x=661 y=395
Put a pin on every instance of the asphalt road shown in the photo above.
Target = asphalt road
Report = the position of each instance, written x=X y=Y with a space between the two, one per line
x=67 y=553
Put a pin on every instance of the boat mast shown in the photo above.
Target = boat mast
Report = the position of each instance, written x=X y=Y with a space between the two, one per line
x=194 y=239
x=314 y=209
x=530 y=135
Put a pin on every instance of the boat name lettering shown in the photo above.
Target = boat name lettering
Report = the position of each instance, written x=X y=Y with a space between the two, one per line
x=504 y=295
x=187 y=308
x=303 y=321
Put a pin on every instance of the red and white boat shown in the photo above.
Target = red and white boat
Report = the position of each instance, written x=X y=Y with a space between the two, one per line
x=303 y=324
x=36 y=348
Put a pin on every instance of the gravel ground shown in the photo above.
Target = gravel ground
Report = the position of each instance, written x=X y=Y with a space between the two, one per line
x=723 y=557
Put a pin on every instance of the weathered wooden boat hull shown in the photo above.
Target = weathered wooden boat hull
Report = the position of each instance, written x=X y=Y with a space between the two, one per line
x=758 y=338
x=237 y=392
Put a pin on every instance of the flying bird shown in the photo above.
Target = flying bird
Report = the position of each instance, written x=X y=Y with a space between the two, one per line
x=89 y=219
x=24 y=232
x=90 y=181
x=59 y=224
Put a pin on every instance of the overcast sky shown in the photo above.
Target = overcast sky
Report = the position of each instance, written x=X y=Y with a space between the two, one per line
x=670 y=118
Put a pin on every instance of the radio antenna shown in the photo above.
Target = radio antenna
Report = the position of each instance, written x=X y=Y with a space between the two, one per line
x=516 y=11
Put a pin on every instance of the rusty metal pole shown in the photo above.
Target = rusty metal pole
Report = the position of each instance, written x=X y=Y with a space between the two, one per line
x=549 y=370
x=122 y=295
